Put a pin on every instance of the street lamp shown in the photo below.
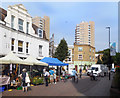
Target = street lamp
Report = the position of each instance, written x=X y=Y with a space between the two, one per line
x=109 y=51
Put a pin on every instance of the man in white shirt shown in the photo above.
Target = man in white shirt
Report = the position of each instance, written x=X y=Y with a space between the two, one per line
x=46 y=75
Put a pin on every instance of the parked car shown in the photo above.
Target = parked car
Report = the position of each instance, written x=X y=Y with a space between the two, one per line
x=112 y=70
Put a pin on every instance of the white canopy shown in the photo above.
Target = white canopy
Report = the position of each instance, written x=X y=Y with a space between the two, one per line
x=11 y=58
x=34 y=61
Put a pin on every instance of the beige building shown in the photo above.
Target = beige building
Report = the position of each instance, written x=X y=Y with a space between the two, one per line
x=70 y=59
x=83 y=55
x=43 y=24
x=84 y=46
x=84 y=33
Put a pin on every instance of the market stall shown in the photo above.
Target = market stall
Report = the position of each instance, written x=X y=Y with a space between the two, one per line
x=10 y=69
x=36 y=70
x=54 y=62
x=37 y=65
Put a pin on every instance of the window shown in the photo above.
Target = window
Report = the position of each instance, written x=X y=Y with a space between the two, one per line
x=93 y=50
x=20 y=46
x=12 y=21
x=80 y=57
x=90 y=49
x=40 y=33
x=69 y=51
x=27 y=44
x=20 y=24
x=40 y=50
x=27 y=28
x=12 y=44
x=80 y=48
x=69 y=59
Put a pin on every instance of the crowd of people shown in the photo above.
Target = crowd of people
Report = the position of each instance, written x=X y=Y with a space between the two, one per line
x=48 y=74
x=52 y=74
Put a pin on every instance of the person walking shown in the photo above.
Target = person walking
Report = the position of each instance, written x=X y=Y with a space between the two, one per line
x=51 y=72
x=63 y=74
x=54 y=76
x=46 y=75
x=27 y=80
x=23 y=77
x=80 y=72
x=44 y=70
x=74 y=74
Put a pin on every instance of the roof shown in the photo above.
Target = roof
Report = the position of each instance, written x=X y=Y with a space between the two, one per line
x=53 y=61
x=70 y=46
x=3 y=14
x=34 y=61
x=35 y=27
x=12 y=58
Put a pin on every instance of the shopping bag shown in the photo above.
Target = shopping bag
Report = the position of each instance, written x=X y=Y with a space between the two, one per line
x=28 y=85
x=27 y=79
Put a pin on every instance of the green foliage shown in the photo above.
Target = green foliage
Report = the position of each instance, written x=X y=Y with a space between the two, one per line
x=100 y=52
x=117 y=59
x=117 y=70
x=106 y=56
x=107 y=59
x=62 y=50
x=37 y=80
x=117 y=78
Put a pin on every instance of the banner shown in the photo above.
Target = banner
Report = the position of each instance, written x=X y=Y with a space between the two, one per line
x=113 y=49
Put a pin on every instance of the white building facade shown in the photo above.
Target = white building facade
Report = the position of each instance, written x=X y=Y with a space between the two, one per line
x=18 y=35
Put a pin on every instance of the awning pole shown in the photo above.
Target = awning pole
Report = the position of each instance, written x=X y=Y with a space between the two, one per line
x=19 y=69
x=31 y=70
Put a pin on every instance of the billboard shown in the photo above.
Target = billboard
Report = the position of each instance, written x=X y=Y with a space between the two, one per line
x=112 y=49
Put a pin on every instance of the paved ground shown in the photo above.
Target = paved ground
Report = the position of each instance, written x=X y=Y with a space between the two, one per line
x=85 y=87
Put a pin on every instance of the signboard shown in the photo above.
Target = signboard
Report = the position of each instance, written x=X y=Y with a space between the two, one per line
x=113 y=49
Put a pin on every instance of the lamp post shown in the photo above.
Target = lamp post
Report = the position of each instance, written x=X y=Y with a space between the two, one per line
x=109 y=51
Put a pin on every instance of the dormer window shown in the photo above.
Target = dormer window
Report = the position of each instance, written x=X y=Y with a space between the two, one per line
x=40 y=33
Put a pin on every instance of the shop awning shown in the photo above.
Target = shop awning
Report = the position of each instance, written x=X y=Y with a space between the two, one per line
x=53 y=62
x=11 y=58
x=34 y=61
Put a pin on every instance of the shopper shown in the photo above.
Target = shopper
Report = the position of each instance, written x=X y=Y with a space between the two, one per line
x=74 y=74
x=46 y=75
x=54 y=76
x=63 y=74
x=51 y=72
x=27 y=80
x=44 y=70
x=80 y=72
x=23 y=77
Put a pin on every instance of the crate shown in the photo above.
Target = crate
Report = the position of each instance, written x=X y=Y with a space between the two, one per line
x=2 y=89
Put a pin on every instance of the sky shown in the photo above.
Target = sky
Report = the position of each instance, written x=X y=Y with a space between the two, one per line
x=65 y=15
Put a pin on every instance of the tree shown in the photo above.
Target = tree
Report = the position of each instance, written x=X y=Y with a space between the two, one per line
x=99 y=60
x=117 y=59
x=62 y=50
x=106 y=57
